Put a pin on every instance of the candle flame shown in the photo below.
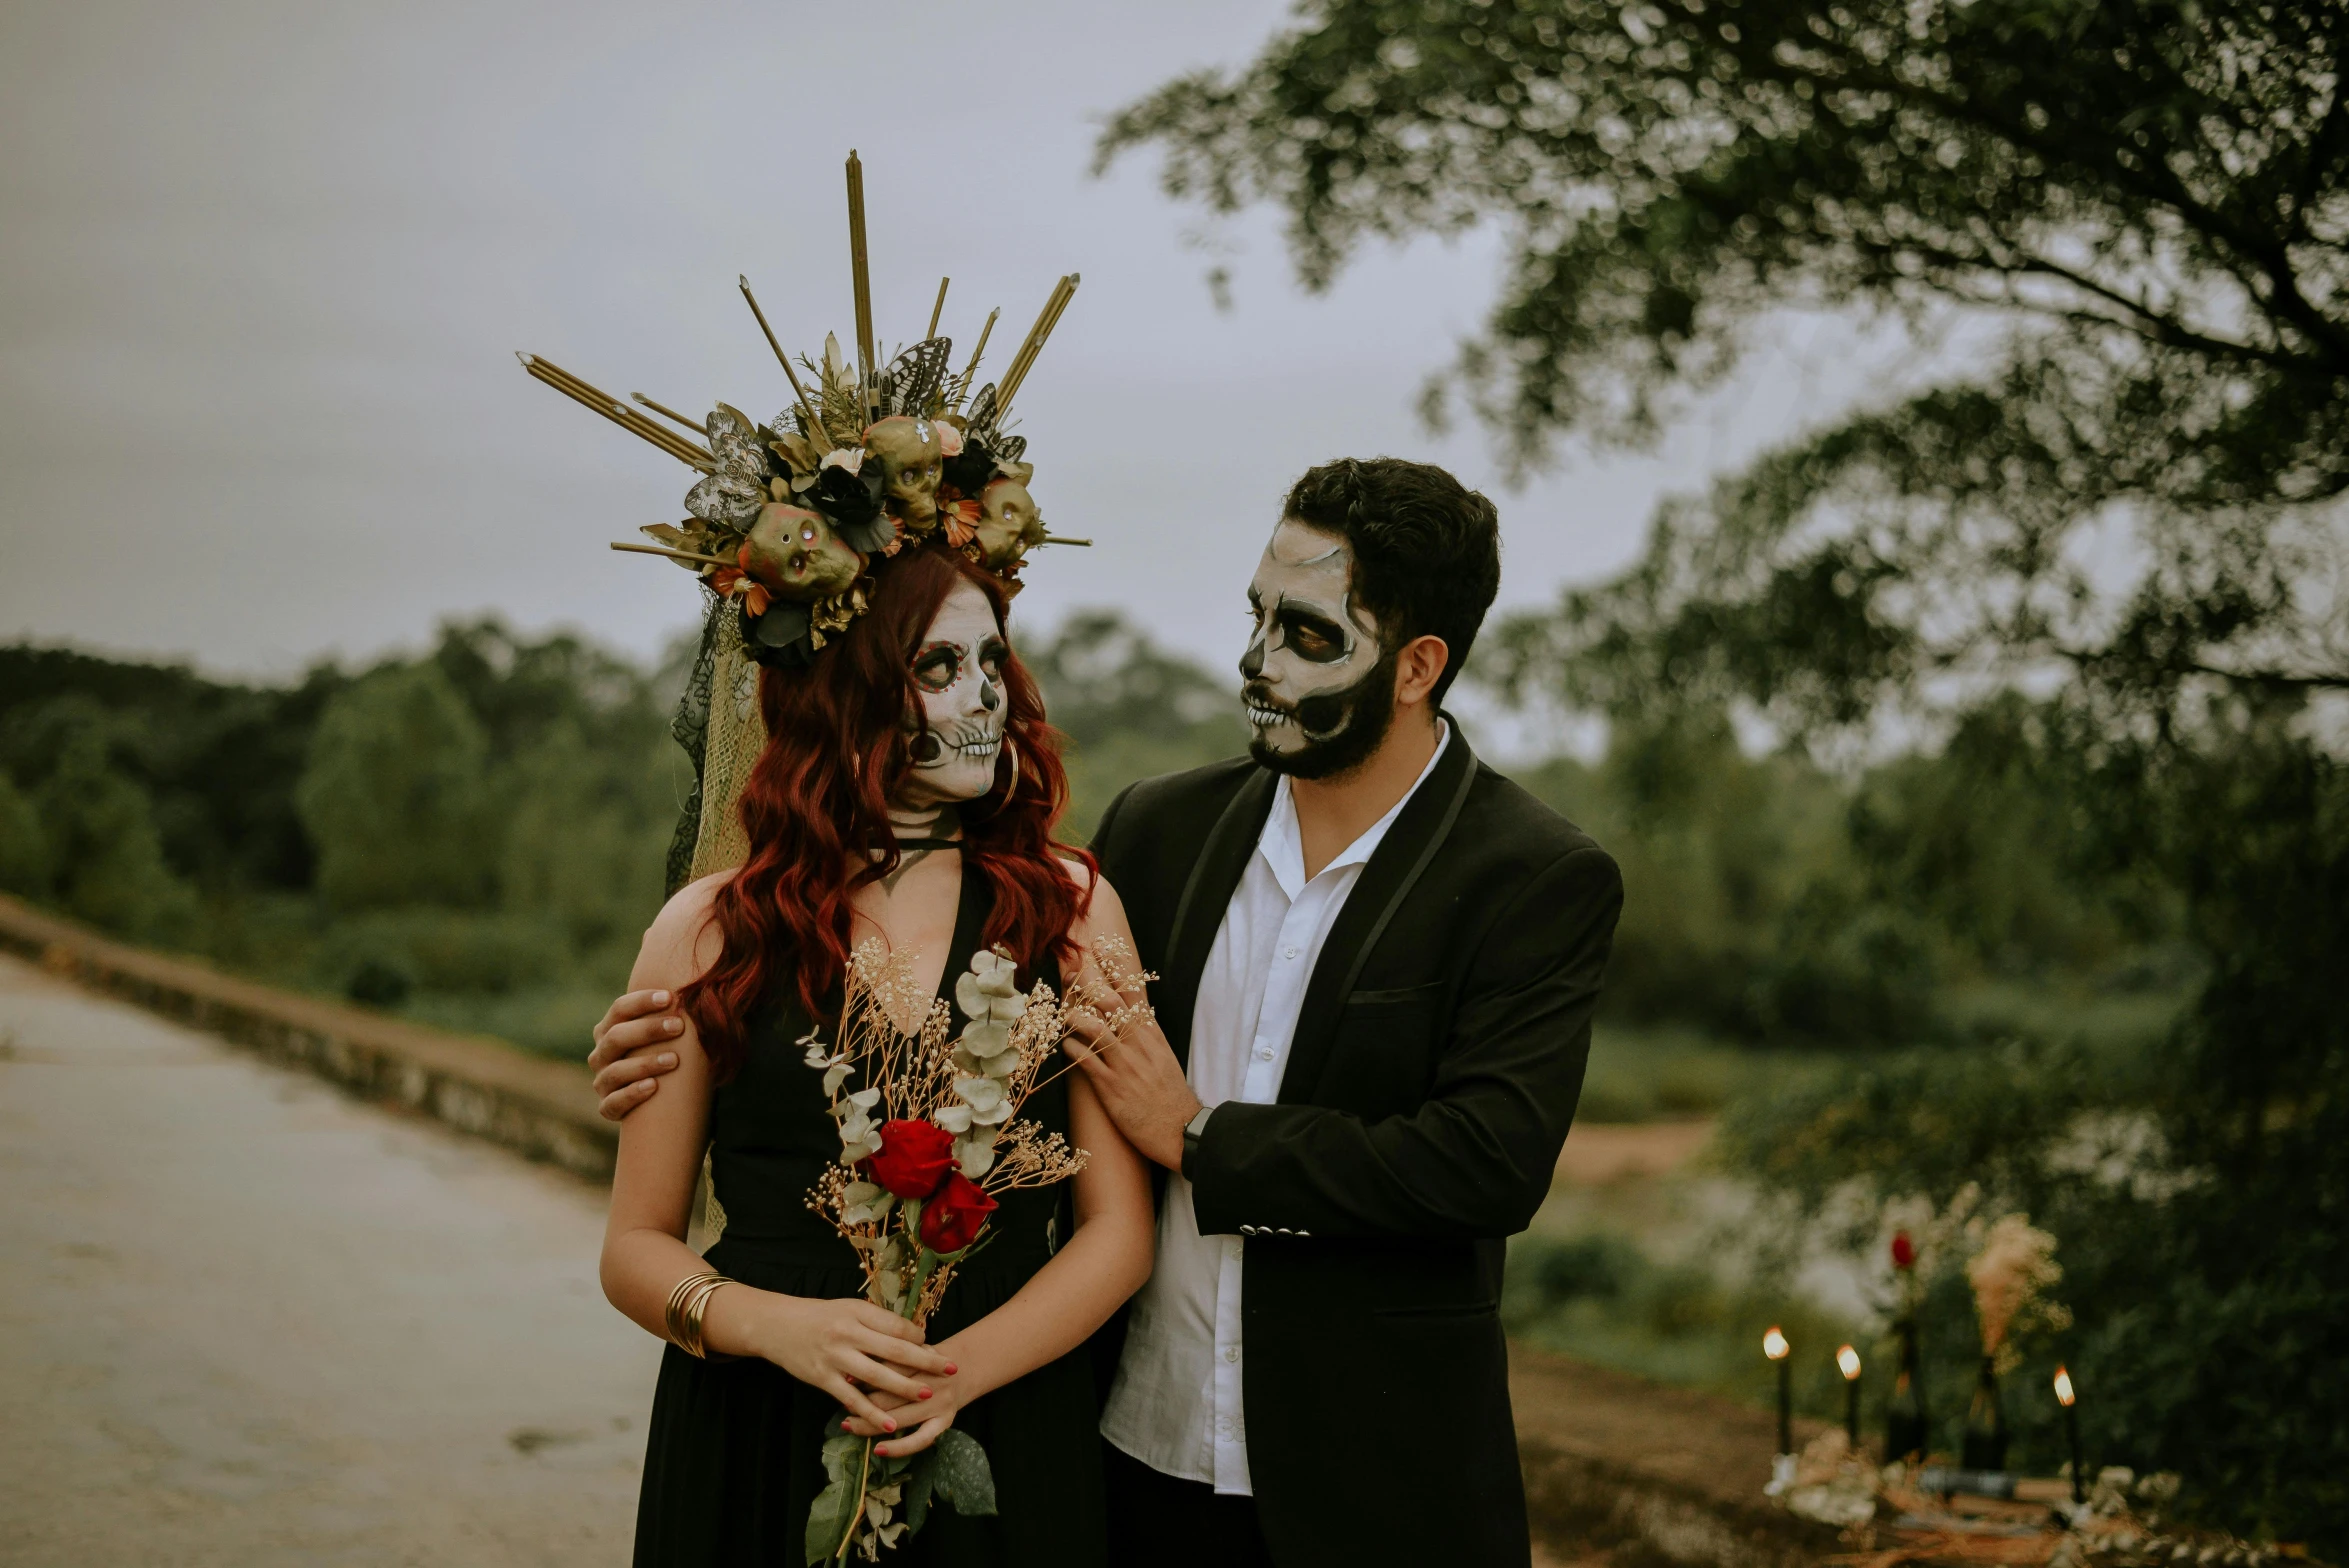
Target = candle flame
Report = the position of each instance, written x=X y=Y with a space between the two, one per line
x=2063 y=1387
x=1774 y=1343
x=1849 y=1360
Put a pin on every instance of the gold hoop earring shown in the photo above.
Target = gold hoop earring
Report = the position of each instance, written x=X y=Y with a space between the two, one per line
x=1014 y=787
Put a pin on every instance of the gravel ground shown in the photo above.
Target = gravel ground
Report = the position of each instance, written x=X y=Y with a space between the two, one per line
x=247 y=1321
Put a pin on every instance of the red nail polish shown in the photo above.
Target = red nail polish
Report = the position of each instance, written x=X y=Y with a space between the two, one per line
x=925 y=1393
x=888 y=1425
x=951 y=1369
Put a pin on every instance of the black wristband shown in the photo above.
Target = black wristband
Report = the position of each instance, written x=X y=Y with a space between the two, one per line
x=1192 y=1131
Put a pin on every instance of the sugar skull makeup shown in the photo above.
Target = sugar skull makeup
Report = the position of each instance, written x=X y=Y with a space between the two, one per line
x=957 y=732
x=1320 y=684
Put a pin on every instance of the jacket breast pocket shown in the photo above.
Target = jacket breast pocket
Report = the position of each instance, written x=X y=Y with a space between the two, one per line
x=1388 y=1042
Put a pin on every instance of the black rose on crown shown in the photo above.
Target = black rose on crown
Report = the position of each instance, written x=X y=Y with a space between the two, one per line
x=970 y=469
x=853 y=503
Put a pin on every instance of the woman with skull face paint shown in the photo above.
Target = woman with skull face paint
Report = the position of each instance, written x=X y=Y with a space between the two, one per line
x=907 y=790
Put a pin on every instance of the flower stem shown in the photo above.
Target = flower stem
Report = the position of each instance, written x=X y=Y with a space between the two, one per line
x=863 y=1477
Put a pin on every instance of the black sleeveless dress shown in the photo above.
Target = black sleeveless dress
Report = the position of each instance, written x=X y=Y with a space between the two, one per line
x=733 y=1462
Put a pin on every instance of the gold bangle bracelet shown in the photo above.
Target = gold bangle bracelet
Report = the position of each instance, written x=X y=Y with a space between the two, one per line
x=681 y=1317
x=695 y=1305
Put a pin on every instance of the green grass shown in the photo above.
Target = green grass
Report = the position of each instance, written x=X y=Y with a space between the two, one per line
x=1600 y=1298
x=1647 y=1073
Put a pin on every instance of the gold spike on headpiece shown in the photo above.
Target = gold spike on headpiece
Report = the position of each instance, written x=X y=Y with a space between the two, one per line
x=867 y=362
x=613 y=409
x=1046 y=319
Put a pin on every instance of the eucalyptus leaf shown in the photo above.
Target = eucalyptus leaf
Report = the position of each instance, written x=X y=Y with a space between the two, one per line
x=918 y=1487
x=964 y=1477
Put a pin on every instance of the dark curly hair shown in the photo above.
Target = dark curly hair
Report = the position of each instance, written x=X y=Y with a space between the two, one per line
x=1427 y=549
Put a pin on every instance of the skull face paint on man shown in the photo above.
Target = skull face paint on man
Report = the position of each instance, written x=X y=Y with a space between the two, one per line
x=957 y=732
x=1320 y=683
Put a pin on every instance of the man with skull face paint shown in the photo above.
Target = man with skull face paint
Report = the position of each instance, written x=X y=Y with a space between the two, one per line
x=1379 y=960
x=1320 y=690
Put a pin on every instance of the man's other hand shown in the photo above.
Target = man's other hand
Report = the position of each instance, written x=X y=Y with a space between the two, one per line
x=1115 y=1038
x=627 y=1069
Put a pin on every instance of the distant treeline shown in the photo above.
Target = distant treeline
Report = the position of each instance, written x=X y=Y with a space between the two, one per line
x=476 y=834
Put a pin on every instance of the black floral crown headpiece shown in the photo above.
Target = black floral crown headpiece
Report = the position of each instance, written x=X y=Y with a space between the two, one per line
x=792 y=519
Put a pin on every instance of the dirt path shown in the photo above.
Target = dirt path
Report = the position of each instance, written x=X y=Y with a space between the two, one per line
x=1597 y=1153
x=1691 y=1440
x=246 y=1322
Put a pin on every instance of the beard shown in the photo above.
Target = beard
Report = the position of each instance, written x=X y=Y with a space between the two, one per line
x=1341 y=728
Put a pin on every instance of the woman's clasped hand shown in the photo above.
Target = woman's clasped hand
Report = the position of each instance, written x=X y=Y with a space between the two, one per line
x=852 y=1349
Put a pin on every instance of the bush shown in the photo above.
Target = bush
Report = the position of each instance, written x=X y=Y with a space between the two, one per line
x=459 y=951
x=26 y=865
x=1586 y=1268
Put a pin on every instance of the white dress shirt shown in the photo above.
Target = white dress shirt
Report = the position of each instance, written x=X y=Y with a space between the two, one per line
x=1176 y=1403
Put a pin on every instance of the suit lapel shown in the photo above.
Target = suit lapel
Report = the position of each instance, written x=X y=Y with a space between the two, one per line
x=1207 y=892
x=1393 y=870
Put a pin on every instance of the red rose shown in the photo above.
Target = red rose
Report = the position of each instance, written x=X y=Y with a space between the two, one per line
x=915 y=1157
x=1904 y=1251
x=951 y=1220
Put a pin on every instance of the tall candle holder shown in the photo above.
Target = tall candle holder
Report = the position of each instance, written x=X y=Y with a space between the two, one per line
x=1908 y=1429
x=2065 y=1397
x=1847 y=1361
x=1775 y=1346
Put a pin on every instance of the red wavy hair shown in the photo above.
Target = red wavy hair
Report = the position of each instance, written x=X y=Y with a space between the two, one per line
x=815 y=808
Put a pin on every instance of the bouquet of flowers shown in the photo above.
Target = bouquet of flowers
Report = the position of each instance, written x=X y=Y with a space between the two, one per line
x=929 y=1135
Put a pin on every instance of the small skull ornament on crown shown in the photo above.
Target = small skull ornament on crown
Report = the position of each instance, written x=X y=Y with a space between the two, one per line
x=792 y=517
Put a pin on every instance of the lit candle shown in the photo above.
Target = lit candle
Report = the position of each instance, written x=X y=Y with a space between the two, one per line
x=1847 y=1361
x=1774 y=1346
x=2065 y=1397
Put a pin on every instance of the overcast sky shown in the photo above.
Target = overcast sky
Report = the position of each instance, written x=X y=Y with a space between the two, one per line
x=264 y=267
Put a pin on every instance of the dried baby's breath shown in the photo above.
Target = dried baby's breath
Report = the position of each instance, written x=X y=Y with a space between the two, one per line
x=897 y=1038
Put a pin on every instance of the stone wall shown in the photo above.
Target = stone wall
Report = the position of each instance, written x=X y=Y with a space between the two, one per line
x=539 y=1108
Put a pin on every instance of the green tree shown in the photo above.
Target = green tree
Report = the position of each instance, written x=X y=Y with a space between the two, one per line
x=2148 y=192
x=586 y=833
x=95 y=849
x=1130 y=710
x=2144 y=200
x=218 y=759
x=1746 y=911
x=396 y=794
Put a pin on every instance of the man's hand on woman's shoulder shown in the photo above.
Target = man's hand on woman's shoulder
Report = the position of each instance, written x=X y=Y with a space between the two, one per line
x=681 y=942
x=625 y=1060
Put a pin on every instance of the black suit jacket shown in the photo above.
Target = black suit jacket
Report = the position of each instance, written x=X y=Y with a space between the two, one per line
x=1429 y=1085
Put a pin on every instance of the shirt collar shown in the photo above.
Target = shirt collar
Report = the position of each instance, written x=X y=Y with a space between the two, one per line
x=1282 y=843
